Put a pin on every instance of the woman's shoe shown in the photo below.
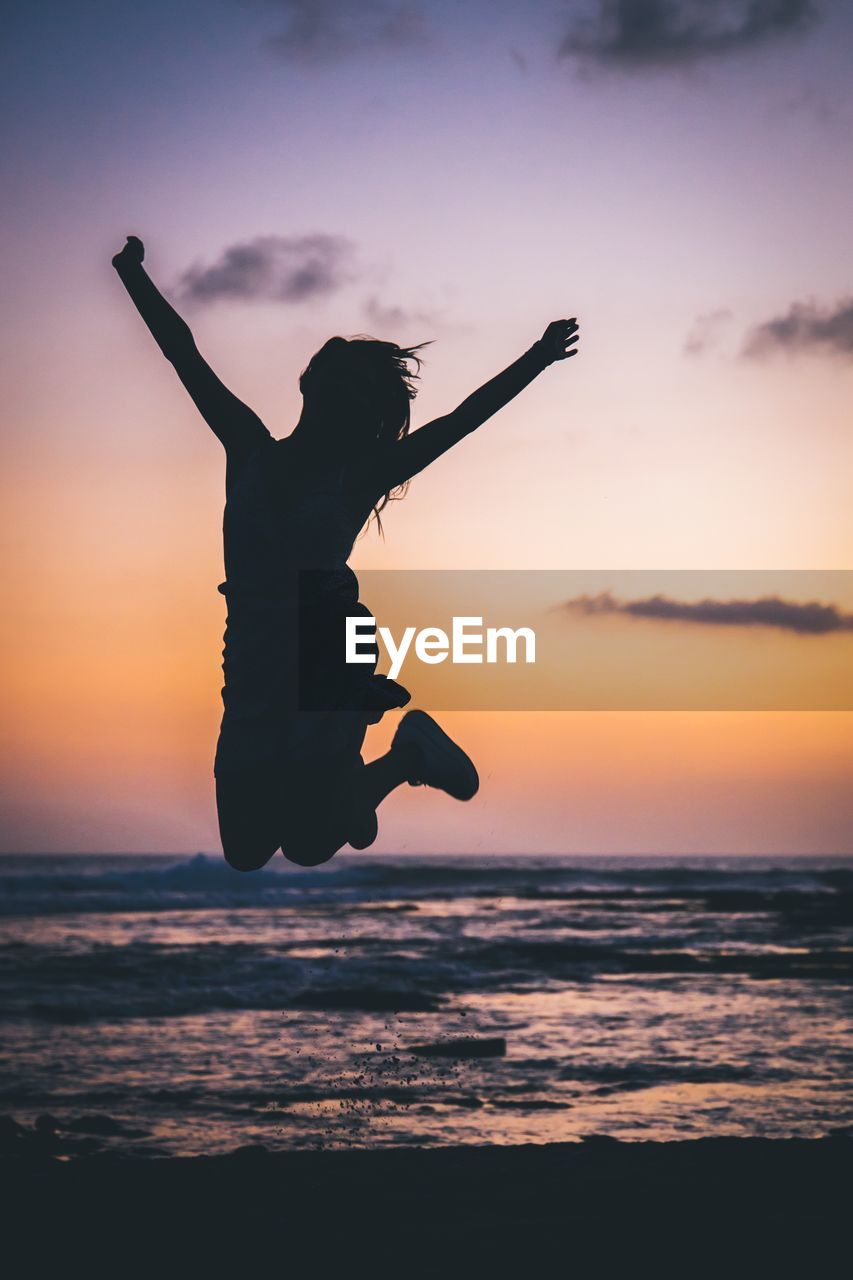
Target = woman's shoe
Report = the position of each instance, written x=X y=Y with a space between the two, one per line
x=440 y=762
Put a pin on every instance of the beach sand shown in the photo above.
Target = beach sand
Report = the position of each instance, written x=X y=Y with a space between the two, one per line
x=742 y=1206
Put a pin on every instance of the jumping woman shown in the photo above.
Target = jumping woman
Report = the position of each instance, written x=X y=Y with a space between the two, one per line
x=289 y=771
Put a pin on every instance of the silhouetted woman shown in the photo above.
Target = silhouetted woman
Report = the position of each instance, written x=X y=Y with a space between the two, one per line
x=289 y=772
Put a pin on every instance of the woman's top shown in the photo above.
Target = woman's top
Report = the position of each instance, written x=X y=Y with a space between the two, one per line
x=289 y=527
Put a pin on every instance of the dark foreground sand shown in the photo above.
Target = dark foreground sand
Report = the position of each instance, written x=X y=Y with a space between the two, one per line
x=731 y=1206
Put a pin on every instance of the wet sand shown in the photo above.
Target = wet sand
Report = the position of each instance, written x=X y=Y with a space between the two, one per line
x=743 y=1205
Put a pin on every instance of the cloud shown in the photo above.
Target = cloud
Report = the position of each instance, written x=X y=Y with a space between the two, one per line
x=813 y=103
x=327 y=31
x=811 y=619
x=395 y=317
x=272 y=269
x=648 y=34
x=706 y=332
x=805 y=328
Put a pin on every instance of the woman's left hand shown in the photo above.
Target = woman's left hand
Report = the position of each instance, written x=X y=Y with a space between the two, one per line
x=559 y=341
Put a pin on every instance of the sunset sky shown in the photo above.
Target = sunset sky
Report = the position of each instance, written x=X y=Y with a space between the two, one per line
x=676 y=175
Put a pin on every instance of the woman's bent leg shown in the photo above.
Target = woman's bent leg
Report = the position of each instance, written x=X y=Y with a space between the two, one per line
x=333 y=802
x=309 y=812
x=317 y=807
x=247 y=804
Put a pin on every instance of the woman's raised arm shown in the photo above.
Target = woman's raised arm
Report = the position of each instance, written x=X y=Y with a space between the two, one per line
x=429 y=442
x=233 y=422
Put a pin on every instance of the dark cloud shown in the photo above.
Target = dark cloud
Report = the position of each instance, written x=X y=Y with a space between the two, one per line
x=272 y=269
x=327 y=31
x=806 y=328
x=706 y=332
x=811 y=619
x=640 y=34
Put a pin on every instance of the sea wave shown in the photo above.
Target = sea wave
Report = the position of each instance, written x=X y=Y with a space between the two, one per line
x=116 y=983
x=50 y=886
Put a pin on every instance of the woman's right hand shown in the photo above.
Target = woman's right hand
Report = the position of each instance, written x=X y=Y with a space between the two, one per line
x=131 y=255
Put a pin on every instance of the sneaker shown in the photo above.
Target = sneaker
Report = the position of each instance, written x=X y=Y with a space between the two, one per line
x=440 y=762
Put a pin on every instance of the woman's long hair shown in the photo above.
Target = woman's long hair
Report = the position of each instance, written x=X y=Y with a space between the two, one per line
x=364 y=389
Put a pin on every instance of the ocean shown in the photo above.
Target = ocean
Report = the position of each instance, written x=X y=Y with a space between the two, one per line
x=166 y=1005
